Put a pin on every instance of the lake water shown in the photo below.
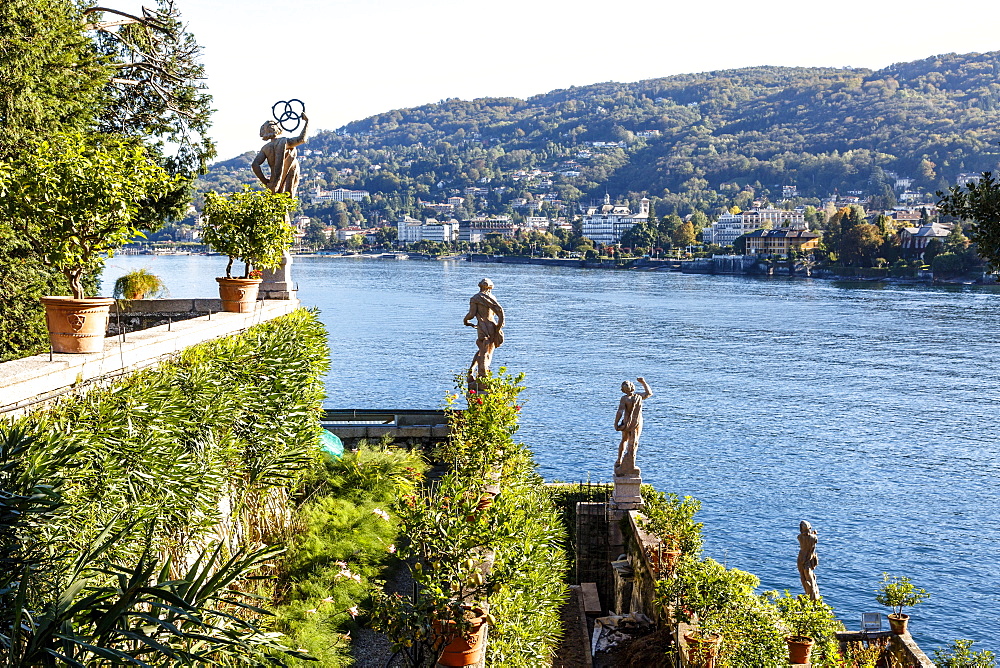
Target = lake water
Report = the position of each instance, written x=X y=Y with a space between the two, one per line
x=870 y=411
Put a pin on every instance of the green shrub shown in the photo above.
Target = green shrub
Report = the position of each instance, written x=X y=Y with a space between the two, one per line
x=961 y=655
x=206 y=444
x=347 y=540
x=671 y=519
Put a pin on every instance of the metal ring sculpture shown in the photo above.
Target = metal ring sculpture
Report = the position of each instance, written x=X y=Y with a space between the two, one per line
x=291 y=111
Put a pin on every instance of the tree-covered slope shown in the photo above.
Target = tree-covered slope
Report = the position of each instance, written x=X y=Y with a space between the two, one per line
x=688 y=141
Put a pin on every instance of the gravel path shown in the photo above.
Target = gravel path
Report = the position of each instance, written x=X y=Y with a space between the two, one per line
x=371 y=649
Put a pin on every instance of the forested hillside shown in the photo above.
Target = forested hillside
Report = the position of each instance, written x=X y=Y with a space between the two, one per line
x=694 y=141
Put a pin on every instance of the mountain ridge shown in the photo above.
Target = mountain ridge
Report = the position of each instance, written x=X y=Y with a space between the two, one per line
x=696 y=141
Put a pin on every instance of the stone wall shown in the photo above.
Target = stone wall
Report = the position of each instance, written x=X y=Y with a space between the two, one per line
x=30 y=381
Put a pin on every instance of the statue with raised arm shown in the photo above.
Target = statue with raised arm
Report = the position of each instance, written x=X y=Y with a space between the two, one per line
x=628 y=420
x=488 y=314
x=281 y=157
x=808 y=560
x=282 y=160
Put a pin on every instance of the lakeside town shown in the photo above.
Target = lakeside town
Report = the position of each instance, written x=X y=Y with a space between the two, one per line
x=838 y=235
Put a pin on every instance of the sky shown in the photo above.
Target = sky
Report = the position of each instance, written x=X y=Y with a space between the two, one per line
x=350 y=59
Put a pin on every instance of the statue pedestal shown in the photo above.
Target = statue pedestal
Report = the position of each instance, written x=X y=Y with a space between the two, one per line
x=278 y=283
x=627 y=493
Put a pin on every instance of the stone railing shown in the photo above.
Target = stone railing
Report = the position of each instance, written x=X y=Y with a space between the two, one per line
x=645 y=555
x=30 y=381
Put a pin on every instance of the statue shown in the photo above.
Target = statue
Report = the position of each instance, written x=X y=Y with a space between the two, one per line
x=283 y=162
x=483 y=306
x=808 y=560
x=281 y=156
x=628 y=420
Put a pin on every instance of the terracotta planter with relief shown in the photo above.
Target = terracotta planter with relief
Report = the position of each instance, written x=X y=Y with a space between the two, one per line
x=77 y=325
x=238 y=295
x=464 y=650
x=799 y=648
x=898 y=623
x=702 y=650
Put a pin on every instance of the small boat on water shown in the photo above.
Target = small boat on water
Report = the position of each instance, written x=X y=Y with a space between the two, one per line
x=394 y=256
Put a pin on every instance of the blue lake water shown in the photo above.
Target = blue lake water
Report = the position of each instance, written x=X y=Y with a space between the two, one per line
x=870 y=411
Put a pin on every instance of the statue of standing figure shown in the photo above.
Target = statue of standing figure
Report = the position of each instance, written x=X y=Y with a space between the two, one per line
x=281 y=157
x=808 y=560
x=282 y=160
x=628 y=420
x=484 y=307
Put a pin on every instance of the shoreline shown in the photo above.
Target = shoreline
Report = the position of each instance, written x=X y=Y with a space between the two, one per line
x=705 y=266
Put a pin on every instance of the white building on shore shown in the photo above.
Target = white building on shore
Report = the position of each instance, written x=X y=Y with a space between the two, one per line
x=607 y=223
x=731 y=226
x=318 y=196
x=412 y=230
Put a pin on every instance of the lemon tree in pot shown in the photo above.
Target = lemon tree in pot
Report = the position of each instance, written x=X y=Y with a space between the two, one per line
x=250 y=226
x=898 y=593
x=810 y=621
x=78 y=197
x=451 y=564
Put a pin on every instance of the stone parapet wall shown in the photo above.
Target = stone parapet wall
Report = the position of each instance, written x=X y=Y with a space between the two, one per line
x=30 y=381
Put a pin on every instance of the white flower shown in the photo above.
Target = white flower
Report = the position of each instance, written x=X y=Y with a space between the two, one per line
x=381 y=513
x=353 y=611
x=391 y=549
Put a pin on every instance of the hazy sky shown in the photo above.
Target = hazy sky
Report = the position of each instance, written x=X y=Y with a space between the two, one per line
x=348 y=59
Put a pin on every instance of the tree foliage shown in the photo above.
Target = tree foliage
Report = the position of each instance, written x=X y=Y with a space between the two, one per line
x=76 y=197
x=978 y=203
x=51 y=75
x=250 y=226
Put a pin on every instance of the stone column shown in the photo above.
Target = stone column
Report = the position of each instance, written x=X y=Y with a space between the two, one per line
x=627 y=493
x=278 y=283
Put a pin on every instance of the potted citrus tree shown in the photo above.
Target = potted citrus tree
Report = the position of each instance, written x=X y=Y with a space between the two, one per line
x=809 y=621
x=704 y=592
x=78 y=197
x=251 y=226
x=898 y=593
x=451 y=559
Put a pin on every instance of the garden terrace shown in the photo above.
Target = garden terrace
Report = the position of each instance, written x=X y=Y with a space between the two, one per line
x=30 y=381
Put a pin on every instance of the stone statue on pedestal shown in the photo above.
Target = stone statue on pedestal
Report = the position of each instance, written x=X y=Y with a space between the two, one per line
x=484 y=307
x=808 y=560
x=282 y=160
x=628 y=420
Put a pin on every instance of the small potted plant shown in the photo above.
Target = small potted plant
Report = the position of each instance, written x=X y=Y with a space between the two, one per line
x=452 y=571
x=704 y=591
x=808 y=620
x=898 y=593
x=139 y=284
x=77 y=198
x=251 y=226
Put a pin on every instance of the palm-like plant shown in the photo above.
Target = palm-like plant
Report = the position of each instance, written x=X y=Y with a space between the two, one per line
x=58 y=608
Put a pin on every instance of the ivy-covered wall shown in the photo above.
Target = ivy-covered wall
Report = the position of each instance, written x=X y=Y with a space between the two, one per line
x=200 y=448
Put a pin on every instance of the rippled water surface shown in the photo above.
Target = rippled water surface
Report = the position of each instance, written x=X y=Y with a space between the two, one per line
x=869 y=411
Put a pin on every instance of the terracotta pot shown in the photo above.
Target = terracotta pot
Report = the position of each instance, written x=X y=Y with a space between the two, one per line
x=77 y=325
x=663 y=561
x=238 y=295
x=702 y=650
x=799 y=648
x=898 y=623
x=463 y=650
